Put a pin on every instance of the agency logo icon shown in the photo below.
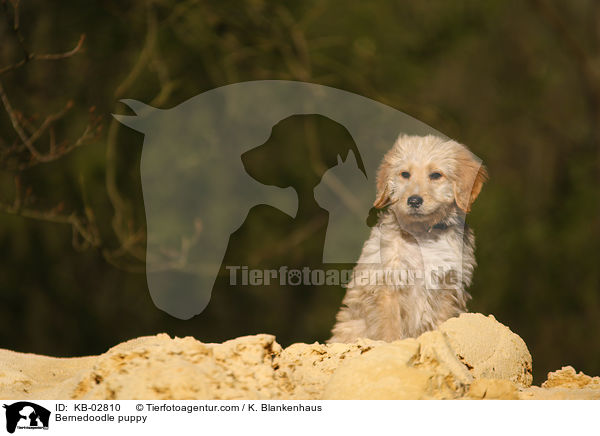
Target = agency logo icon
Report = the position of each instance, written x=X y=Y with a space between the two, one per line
x=26 y=415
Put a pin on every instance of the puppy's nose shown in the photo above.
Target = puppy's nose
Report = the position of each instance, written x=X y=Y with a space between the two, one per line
x=414 y=201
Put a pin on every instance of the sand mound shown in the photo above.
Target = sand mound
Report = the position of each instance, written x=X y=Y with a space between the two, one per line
x=471 y=357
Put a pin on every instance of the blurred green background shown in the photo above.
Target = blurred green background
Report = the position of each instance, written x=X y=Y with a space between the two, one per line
x=516 y=81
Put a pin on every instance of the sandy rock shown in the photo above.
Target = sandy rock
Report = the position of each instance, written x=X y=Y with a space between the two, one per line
x=383 y=373
x=24 y=375
x=565 y=384
x=304 y=369
x=489 y=349
x=423 y=368
x=567 y=377
x=492 y=389
x=183 y=368
x=469 y=357
x=538 y=393
x=436 y=353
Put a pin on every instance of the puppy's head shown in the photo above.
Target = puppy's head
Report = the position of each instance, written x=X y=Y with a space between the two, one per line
x=424 y=179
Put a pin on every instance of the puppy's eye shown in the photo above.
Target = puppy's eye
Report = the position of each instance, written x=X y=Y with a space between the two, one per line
x=435 y=175
x=405 y=174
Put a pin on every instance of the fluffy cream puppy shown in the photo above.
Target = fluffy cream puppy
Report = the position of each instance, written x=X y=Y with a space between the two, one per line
x=415 y=267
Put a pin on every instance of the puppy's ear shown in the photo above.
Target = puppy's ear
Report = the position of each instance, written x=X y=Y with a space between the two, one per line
x=470 y=177
x=383 y=189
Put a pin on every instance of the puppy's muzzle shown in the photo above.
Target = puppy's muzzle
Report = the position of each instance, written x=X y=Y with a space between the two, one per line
x=414 y=201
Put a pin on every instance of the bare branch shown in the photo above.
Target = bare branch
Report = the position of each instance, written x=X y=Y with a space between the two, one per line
x=132 y=242
x=45 y=57
x=16 y=125
x=15 y=25
x=28 y=55
x=81 y=229
x=56 y=56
